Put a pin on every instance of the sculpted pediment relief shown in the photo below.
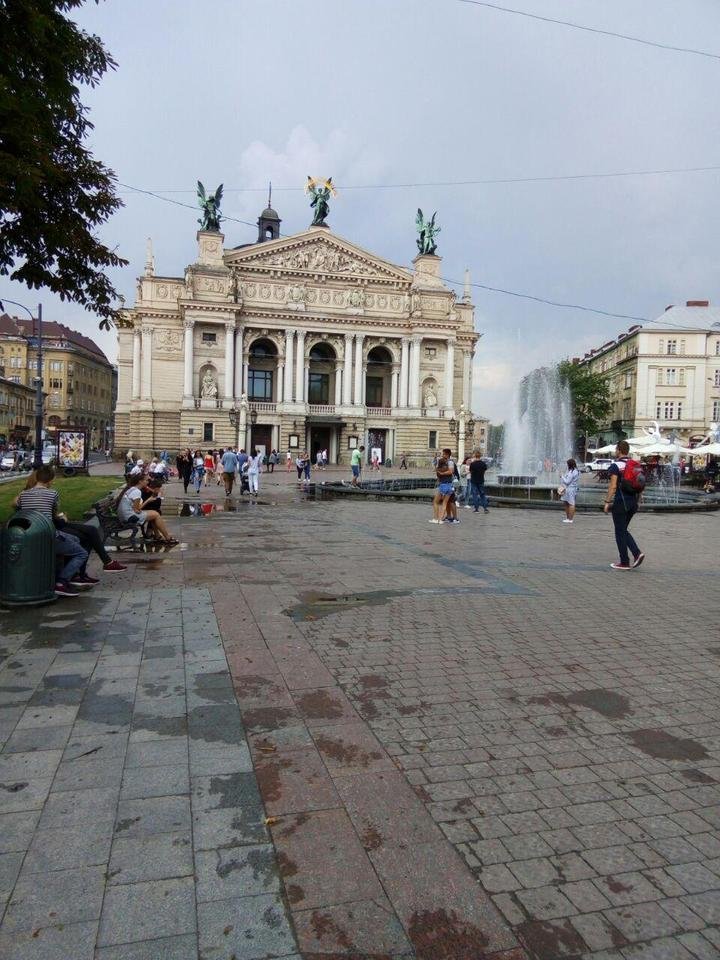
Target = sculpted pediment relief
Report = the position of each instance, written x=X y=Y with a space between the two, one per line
x=315 y=252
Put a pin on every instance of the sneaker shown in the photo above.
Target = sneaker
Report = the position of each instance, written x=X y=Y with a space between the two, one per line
x=63 y=590
x=620 y=566
x=566 y=520
x=114 y=567
x=433 y=520
x=80 y=583
x=468 y=507
x=88 y=579
x=486 y=510
x=638 y=559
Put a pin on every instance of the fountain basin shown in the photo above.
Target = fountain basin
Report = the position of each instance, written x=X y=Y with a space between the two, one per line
x=516 y=479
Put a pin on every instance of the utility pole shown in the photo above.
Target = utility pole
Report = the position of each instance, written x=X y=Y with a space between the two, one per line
x=38 y=461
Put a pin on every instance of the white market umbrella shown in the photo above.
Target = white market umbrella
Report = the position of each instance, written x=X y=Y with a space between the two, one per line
x=707 y=450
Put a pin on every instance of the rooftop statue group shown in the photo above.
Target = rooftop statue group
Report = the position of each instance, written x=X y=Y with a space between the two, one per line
x=320 y=191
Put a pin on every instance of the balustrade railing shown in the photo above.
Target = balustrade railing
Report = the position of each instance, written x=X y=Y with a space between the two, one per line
x=263 y=406
x=321 y=408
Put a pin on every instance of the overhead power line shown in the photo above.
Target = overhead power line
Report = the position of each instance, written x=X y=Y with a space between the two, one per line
x=466 y=183
x=596 y=30
x=457 y=283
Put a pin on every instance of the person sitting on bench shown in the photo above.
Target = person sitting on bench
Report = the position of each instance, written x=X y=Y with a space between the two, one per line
x=132 y=508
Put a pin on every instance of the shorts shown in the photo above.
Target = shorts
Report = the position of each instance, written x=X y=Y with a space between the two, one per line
x=228 y=477
x=137 y=519
x=445 y=489
x=355 y=470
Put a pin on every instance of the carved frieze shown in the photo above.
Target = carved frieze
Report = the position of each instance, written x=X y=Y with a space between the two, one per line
x=168 y=340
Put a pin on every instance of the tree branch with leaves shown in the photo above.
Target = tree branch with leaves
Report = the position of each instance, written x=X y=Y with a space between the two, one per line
x=54 y=195
x=589 y=395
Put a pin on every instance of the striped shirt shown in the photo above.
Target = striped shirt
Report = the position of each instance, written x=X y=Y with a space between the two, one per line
x=39 y=498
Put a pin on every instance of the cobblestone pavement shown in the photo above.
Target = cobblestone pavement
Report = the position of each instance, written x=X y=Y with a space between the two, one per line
x=468 y=741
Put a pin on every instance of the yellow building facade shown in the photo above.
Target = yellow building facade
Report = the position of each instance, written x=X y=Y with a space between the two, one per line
x=77 y=376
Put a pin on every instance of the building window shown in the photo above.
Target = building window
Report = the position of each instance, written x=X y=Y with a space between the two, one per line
x=209 y=337
x=318 y=387
x=659 y=376
x=716 y=410
x=208 y=432
x=374 y=392
x=430 y=353
x=628 y=380
x=671 y=377
x=260 y=385
x=672 y=346
x=56 y=365
x=432 y=439
x=669 y=410
x=661 y=344
x=717 y=378
x=679 y=410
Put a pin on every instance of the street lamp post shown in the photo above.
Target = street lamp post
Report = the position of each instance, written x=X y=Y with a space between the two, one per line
x=37 y=459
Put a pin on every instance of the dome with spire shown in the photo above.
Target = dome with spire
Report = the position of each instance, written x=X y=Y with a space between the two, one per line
x=269 y=221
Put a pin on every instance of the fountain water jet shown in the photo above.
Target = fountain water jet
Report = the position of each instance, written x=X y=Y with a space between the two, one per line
x=540 y=427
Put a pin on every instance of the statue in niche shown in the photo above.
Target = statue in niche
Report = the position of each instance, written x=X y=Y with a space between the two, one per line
x=427 y=231
x=210 y=206
x=430 y=395
x=209 y=386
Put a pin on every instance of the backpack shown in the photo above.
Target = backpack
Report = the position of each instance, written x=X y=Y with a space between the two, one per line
x=633 y=478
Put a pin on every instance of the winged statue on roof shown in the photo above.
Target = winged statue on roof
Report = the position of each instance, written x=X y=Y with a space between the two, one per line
x=210 y=206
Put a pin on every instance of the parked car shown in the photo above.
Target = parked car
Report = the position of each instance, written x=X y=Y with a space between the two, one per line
x=11 y=461
x=598 y=466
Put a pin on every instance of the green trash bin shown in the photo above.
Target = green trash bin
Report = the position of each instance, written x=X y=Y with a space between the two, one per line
x=27 y=559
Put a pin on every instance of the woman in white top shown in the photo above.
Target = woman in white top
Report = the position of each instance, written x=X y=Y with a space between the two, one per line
x=131 y=509
x=254 y=466
x=569 y=483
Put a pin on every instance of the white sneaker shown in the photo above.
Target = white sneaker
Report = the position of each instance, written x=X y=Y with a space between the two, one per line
x=567 y=521
x=434 y=521
x=468 y=507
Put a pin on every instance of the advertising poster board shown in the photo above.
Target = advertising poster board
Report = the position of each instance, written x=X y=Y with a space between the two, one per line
x=72 y=449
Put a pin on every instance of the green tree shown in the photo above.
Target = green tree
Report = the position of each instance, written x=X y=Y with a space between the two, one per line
x=589 y=395
x=496 y=437
x=53 y=193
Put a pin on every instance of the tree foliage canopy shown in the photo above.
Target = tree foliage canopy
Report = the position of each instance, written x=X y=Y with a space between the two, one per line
x=589 y=395
x=53 y=193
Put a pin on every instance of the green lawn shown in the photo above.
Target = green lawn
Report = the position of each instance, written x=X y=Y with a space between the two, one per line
x=77 y=494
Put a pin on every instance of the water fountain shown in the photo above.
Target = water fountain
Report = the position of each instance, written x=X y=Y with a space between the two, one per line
x=540 y=428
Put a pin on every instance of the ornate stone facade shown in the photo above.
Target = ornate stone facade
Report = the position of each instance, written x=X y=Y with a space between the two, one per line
x=332 y=345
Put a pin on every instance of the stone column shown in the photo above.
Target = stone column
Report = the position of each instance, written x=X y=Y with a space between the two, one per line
x=136 y=365
x=188 y=359
x=358 y=393
x=338 y=384
x=300 y=368
x=404 y=364
x=394 y=383
x=288 y=388
x=363 y=391
x=449 y=375
x=238 y=363
x=306 y=382
x=229 y=359
x=467 y=379
x=414 y=374
x=146 y=377
x=245 y=372
x=347 y=371
x=280 y=383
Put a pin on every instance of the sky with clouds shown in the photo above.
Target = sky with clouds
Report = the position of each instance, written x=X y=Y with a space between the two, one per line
x=379 y=92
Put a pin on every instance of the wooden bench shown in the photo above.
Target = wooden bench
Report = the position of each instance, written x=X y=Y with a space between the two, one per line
x=120 y=533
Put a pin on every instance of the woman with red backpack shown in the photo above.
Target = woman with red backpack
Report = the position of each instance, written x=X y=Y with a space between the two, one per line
x=627 y=482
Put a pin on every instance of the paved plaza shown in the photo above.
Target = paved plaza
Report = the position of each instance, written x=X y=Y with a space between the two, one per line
x=333 y=730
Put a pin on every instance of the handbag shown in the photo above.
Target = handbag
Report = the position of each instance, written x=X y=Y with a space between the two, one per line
x=561 y=490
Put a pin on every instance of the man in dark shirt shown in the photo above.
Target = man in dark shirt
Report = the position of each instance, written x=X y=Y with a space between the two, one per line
x=623 y=506
x=477 y=483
